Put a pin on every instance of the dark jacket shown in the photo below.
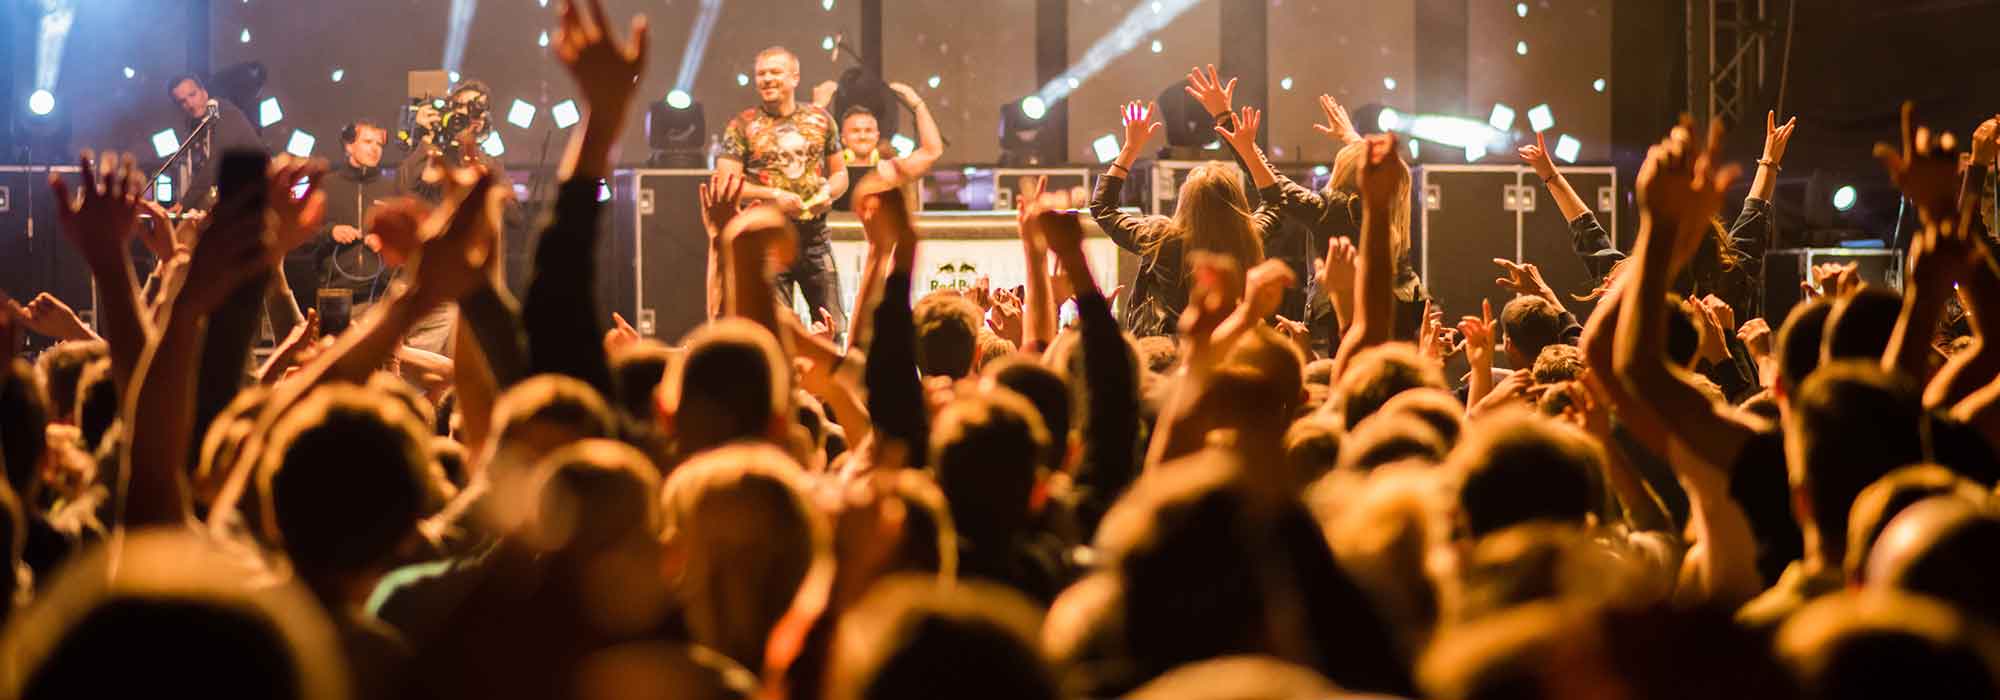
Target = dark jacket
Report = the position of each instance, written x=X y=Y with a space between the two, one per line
x=1160 y=291
x=350 y=193
x=1741 y=285
x=230 y=130
x=1334 y=213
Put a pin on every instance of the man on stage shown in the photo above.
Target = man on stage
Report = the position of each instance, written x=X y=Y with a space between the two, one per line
x=791 y=153
x=198 y=170
x=353 y=186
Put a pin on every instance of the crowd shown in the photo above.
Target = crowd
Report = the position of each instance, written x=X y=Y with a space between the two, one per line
x=967 y=496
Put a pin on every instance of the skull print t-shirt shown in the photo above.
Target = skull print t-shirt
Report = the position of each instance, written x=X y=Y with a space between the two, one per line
x=787 y=153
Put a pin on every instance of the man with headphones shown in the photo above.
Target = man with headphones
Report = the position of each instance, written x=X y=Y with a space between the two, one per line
x=353 y=186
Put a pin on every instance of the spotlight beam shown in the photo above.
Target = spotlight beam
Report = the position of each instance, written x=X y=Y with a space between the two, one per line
x=704 y=26
x=50 y=36
x=1144 y=19
x=458 y=33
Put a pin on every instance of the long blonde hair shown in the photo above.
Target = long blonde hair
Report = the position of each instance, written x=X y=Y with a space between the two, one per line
x=1213 y=215
x=1347 y=177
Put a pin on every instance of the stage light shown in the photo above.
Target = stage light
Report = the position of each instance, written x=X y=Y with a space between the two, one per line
x=1567 y=148
x=1520 y=9
x=165 y=142
x=1388 y=120
x=41 y=102
x=1597 y=85
x=742 y=80
x=1321 y=170
x=269 y=113
x=902 y=144
x=543 y=3
x=1502 y=118
x=934 y=81
x=1285 y=83
x=697 y=47
x=543 y=40
x=1106 y=147
x=243 y=38
x=1844 y=197
x=163 y=189
x=453 y=75
x=1138 y=24
x=1388 y=83
x=1416 y=148
x=565 y=114
x=1022 y=134
x=677 y=134
x=826 y=5
x=339 y=74
x=129 y=73
x=493 y=146
x=1475 y=152
x=826 y=43
x=521 y=114
x=1541 y=118
x=1521 y=48
x=1034 y=107
x=301 y=144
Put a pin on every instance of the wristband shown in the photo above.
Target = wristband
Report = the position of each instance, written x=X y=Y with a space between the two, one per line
x=1128 y=171
x=1772 y=164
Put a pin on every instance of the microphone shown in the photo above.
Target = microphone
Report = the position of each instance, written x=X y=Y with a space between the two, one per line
x=214 y=108
x=837 y=44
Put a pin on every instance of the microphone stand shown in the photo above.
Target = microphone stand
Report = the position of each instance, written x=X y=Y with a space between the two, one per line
x=179 y=153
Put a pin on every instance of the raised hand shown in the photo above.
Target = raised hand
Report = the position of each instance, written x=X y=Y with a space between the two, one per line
x=1434 y=339
x=605 y=71
x=1005 y=317
x=1725 y=316
x=1923 y=168
x=1244 y=137
x=1337 y=271
x=907 y=94
x=1683 y=184
x=1062 y=230
x=721 y=198
x=1384 y=175
x=1338 y=126
x=1756 y=337
x=981 y=293
x=823 y=93
x=822 y=328
x=291 y=350
x=1536 y=155
x=1027 y=210
x=1264 y=287
x=1524 y=279
x=621 y=335
x=1776 y=136
x=1210 y=91
x=298 y=218
x=1478 y=334
x=1713 y=347
x=49 y=316
x=454 y=262
x=765 y=232
x=1986 y=141
x=1139 y=124
x=102 y=219
x=161 y=232
x=394 y=228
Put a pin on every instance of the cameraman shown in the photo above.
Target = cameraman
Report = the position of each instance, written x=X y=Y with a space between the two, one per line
x=451 y=136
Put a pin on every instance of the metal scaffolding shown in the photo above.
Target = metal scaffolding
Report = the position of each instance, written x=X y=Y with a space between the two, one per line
x=1730 y=44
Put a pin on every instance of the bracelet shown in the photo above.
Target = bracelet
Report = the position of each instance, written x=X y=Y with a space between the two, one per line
x=1772 y=164
x=1128 y=171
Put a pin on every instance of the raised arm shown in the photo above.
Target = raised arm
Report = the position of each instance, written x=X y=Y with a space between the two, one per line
x=1680 y=188
x=1383 y=174
x=930 y=141
x=1537 y=157
x=895 y=392
x=560 y=312
x=1111 y=410
x=1038 y=303
x=1123 y=228
x=99 y=223
x=1776 y=137
x=755 y=241
x=721 y=198
x=160 y=409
